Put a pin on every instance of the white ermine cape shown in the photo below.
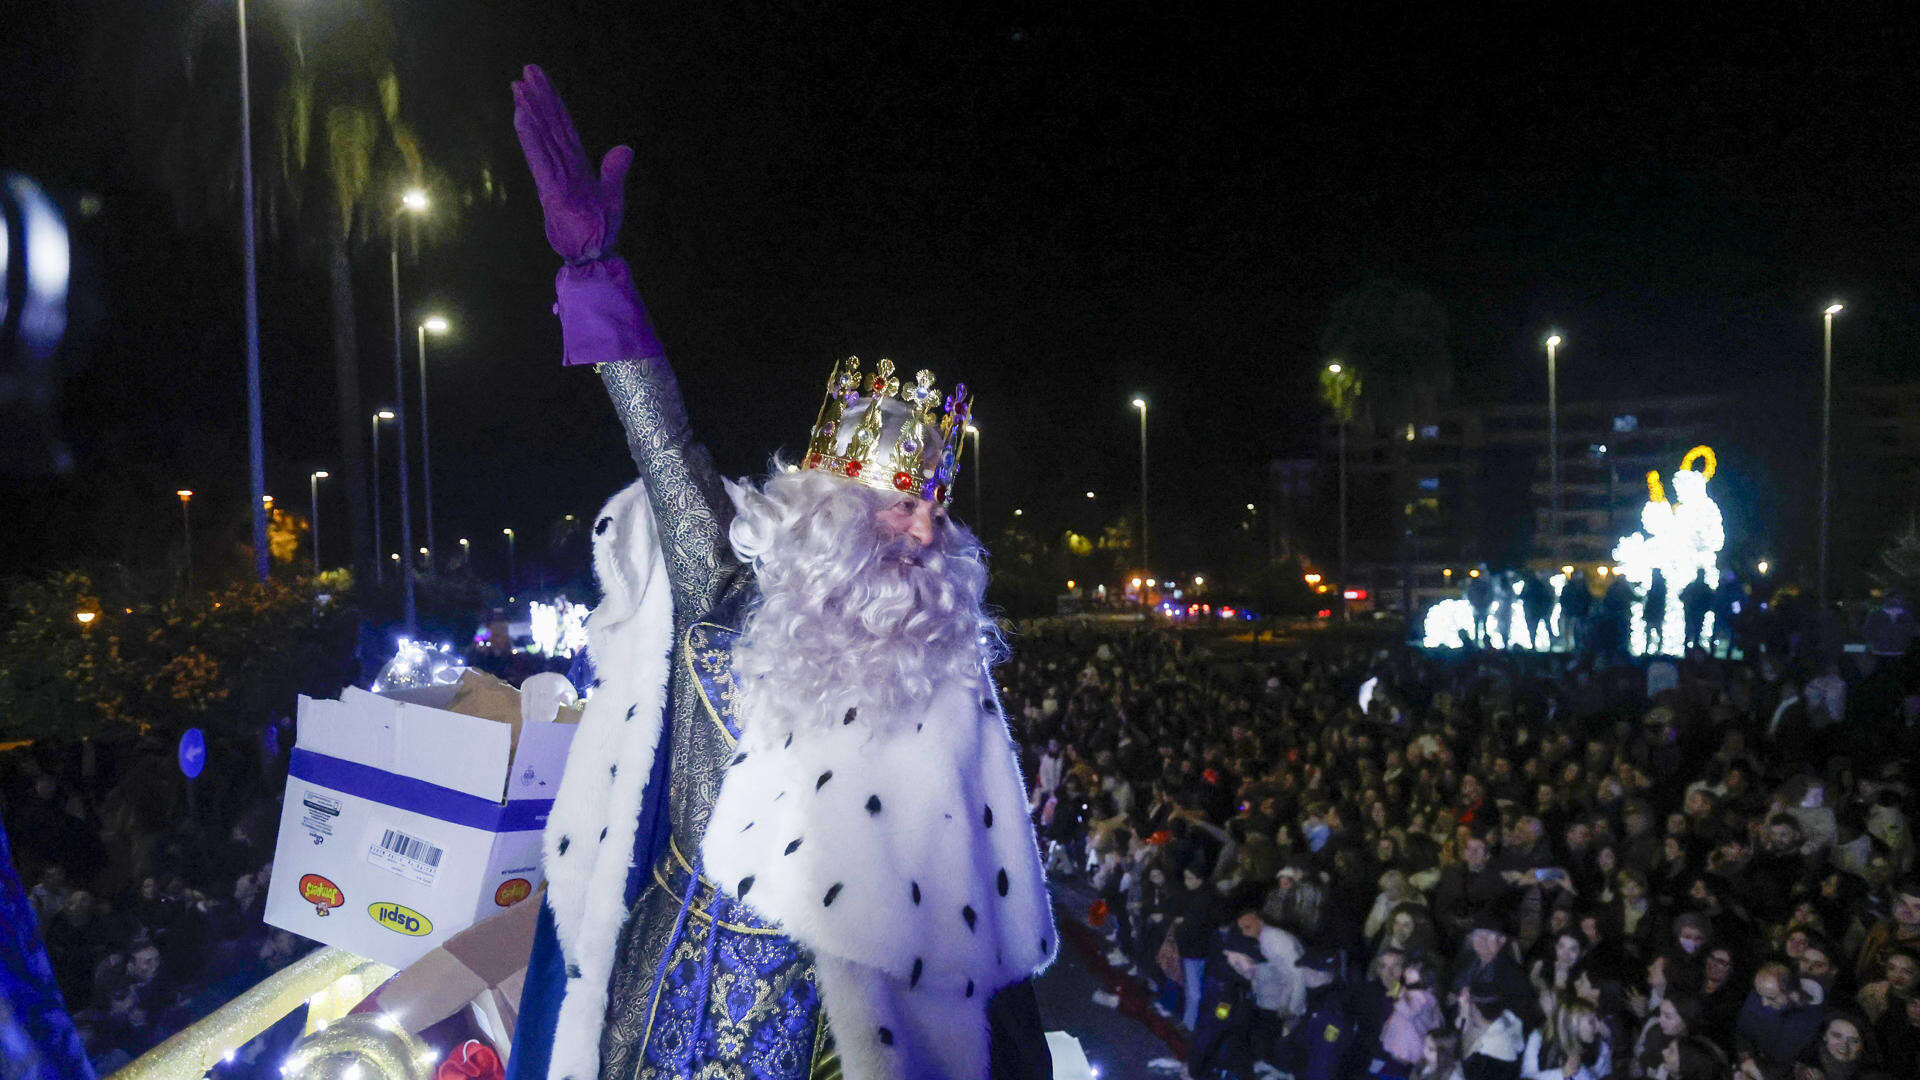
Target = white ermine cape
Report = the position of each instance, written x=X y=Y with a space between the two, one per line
x=898 y=851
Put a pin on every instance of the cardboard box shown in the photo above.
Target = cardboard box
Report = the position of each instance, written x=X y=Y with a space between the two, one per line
x=405 y=822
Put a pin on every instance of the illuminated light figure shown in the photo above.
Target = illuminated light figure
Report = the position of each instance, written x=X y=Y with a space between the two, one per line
x=558 y=629
x=1449 y=623
x=1679 y=538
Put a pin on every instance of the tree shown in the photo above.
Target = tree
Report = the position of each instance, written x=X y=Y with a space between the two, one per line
x=1900 y=563
x=225 y=660
x=327 y=173
x=1397 y=334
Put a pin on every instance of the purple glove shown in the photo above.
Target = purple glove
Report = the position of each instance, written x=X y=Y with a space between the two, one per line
x=601 y=317
x=583 y=213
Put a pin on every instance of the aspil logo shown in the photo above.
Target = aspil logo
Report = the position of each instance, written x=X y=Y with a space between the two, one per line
x=400 y=919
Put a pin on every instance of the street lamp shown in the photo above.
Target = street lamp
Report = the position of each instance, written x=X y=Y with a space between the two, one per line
x=256 y=438
x=433 y=324
x=1340 y=389
x=186 y=529
x=379 y=568
x=466 y=552
x=1553 y=439
x=979 y=515
x=413 y=201
x=1826 y=439
x=509 y=535
x=1146 y=550
x=313 y=493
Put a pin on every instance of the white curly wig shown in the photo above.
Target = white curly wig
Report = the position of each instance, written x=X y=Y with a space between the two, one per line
x=848 y=616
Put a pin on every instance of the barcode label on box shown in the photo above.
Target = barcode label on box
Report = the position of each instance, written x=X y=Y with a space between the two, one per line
x=411 y=857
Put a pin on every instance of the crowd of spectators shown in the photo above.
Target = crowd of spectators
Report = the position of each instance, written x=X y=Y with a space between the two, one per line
x=1501 y=865
x=150 y=909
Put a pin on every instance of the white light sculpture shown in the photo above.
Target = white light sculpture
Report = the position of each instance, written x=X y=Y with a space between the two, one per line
x=1679 y=538
x=1449 y=623
x=558 y=629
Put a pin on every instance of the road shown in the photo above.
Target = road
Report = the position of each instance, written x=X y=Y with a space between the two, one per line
x=1119 y=1042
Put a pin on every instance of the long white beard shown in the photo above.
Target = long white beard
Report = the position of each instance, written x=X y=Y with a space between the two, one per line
x=847 y=616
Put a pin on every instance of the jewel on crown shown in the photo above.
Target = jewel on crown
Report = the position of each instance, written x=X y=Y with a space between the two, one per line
x=889 y=436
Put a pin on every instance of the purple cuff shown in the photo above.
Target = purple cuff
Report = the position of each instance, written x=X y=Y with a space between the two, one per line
x=601 y=316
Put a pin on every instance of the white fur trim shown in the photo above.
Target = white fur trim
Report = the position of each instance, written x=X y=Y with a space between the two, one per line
x=882 y=809
x=597 y=808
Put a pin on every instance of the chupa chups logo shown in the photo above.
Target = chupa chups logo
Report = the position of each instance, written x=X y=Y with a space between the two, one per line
x=400 y=919
x=324 y=895
x=512 y=891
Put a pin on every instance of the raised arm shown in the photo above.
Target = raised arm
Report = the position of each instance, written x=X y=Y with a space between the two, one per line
x=603 y=323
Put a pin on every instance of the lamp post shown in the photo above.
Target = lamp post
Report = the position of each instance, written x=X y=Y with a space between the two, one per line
x=313 y=493
x=433 y=324
x=1826 y=440
x=1146 y=549
x=413 y=201
x=379 y=564
x=256 y=439
x=1340 y=389
x=1553 y=441
x=186 y=530
x=466 y=552
x=979 y=515
x=509 y=535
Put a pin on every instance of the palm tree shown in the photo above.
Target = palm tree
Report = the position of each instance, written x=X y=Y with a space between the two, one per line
x=337 y=151
x=333 y=201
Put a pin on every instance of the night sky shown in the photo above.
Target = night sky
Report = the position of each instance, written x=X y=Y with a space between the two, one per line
x=1063 y=204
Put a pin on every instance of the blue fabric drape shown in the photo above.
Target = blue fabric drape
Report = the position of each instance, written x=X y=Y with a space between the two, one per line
x=37 y=1037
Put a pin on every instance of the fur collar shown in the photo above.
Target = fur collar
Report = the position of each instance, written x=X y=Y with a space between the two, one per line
x=588 y=845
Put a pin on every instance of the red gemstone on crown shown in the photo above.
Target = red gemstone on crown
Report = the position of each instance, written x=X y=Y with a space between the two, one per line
x=813 y=461
x=853 y=468
x=903 y=481
x=940 y=493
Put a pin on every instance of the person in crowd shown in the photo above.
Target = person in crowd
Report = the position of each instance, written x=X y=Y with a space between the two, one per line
x=1536 y=600
x=1899 y=926
x=1900 y=975
x=1653 y=614
x=1576 y=600
x=1696 y=600
x=1440 y=1056
x=1197 y=917
x=1278 y=993
x=1479 y=591
x=1415 y=1016
x=1471 y=887
x=1492 y=1038
x=1841 y=1052
x=1371 y=1002
x=1571 y=1045
x=1777 y=1022
x=1320 y=1045
x=1551 y=972
x=1675 y=1018
x=1488 y=963
x=1223 y=1044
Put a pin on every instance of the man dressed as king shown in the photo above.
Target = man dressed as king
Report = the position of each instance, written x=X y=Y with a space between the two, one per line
x=792 y=838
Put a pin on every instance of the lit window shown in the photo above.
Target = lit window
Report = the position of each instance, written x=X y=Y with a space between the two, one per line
x=1626 y=422
x=1429 y=483
x=1431 y=431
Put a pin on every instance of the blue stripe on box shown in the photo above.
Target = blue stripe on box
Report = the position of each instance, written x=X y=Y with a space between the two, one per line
x=418 y=796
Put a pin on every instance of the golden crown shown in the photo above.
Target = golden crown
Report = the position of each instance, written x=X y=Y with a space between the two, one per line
x=920 y=433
